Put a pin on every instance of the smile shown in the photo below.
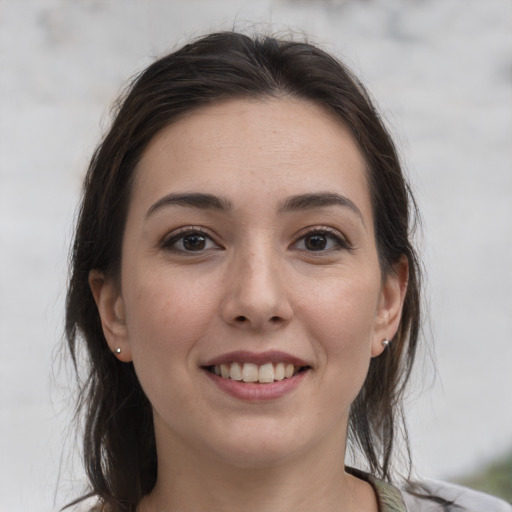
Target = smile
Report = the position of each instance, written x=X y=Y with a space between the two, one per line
x=256 y=373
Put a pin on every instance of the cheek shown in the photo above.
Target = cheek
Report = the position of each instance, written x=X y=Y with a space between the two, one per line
x=165 y=314
x=341 y=318
x=165 y=319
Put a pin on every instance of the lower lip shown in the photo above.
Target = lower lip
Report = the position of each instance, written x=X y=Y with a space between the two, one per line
x=255 y=392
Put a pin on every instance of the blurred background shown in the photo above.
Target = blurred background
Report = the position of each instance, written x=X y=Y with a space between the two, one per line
x=441 y=72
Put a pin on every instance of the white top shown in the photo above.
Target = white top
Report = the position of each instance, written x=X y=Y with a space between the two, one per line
x=464 y=499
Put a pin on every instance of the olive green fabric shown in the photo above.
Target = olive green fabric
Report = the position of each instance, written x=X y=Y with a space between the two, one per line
x=433 y=496
x=389 y=497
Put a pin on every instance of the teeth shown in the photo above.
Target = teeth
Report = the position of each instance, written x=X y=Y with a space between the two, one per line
x=235 y=372
x=250 y=372
x=266 y=373
x=279 y=372
x=224 y=371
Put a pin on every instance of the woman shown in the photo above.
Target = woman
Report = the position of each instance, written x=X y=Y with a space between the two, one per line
x=244 y=283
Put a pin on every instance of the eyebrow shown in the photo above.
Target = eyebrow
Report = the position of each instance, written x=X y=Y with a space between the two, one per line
x=291 y=204
x=192 y=200
x=319 y=200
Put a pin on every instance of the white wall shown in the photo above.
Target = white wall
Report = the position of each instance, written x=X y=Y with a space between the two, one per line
x=442 y=73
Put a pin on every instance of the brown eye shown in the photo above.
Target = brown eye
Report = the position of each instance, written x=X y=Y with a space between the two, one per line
x=195 y=242
x=315 y=242
x=322 y=241
x=189 y=241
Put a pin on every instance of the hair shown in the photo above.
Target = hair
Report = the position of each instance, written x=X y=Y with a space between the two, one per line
x=119 y=443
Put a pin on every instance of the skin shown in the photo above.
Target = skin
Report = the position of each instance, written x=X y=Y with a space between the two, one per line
x=254 y=284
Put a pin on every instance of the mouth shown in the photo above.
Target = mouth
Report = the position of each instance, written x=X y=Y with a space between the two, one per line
x=265 y=373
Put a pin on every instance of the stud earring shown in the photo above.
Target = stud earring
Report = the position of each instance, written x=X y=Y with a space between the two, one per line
x=118 y=350
x=386 y=343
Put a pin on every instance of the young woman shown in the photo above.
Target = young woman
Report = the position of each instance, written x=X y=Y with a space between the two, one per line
x=245 y=286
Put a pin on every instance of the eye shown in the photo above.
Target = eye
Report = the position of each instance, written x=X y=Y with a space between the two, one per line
x=191 y=240
x=322 y=240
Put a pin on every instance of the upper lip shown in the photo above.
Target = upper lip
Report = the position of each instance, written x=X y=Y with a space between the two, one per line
x=259 y=358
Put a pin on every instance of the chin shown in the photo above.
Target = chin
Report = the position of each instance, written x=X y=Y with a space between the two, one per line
x=258 y=457
x=262 y=446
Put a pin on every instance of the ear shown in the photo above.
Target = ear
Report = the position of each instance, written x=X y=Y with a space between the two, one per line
x=389 y=309
x=111 y=309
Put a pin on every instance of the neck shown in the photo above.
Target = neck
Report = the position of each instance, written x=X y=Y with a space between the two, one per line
x=200 y=483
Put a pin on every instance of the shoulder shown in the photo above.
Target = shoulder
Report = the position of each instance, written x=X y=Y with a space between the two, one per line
x=455 y=497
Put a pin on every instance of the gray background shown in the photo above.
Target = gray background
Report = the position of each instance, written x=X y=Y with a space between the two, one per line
x=441 y=71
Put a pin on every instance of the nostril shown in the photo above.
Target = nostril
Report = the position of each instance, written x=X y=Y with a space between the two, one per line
x=241 y=319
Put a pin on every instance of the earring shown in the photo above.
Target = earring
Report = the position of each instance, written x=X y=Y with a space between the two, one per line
x=118 y=350
x=386 y=343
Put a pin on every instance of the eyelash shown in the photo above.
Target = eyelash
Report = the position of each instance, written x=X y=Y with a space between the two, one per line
x=341 y=243
x=169 y=244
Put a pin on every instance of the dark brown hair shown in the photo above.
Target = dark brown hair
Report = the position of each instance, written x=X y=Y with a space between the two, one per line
x=119 y=443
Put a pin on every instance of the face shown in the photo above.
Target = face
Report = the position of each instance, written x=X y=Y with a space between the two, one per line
x=251 y=298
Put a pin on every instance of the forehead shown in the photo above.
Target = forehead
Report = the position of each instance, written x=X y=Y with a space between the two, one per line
x=287 y=146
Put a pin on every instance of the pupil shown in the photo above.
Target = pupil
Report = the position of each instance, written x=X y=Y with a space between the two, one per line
x=316 y=242
x=194 y=242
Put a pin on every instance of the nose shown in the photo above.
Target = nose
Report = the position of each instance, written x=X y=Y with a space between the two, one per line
x=256 y=296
